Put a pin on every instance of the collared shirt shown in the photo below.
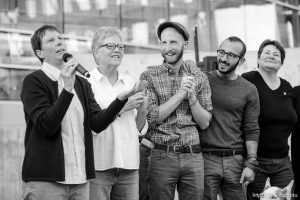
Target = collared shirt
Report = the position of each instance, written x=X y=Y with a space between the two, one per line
x=178 y=128
x=72 y=132
x=118 y=145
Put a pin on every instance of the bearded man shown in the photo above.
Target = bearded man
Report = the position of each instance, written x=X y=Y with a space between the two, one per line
x=234 y=132
x=179 y=103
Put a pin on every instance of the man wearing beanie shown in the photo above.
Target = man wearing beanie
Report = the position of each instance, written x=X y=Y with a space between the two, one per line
x=180 y=101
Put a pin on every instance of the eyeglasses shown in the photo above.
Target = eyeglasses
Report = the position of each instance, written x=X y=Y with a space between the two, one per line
x=230 y=56
x=112 y=46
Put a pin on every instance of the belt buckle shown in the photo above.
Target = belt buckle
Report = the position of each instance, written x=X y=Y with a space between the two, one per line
x=174 y=148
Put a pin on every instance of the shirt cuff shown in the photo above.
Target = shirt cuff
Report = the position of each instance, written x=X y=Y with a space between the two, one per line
x=144 y=129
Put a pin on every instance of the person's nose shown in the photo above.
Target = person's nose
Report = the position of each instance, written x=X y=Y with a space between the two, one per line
x=117 y=49
x=272 y=57
x=168 y=47
x=59 y=42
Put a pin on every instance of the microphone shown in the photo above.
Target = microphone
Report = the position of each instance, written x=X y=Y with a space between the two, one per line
x=79 y=67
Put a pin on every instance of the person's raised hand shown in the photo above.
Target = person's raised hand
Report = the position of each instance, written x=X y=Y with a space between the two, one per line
x=68 y=74
x=138 y=87
x=134 y=102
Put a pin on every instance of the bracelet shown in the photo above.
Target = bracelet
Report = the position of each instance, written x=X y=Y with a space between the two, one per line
x=194 y=103
x=252 y=162
x=252 y=165
x=251 y=155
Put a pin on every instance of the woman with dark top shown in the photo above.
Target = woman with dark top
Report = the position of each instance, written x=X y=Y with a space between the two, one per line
x=277 y=119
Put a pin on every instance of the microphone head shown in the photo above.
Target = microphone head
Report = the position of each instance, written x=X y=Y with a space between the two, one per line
x=66 y=57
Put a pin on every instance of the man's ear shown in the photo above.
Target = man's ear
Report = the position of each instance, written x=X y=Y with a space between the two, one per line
x=40 y=54
x=186 y=43
x=241 y=61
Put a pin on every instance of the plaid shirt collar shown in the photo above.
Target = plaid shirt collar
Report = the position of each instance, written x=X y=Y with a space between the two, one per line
x=183 y=69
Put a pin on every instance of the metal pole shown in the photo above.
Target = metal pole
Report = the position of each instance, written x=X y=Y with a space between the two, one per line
x=196 y=47
x=120 y=15
x=168 y=10
x=62 y=16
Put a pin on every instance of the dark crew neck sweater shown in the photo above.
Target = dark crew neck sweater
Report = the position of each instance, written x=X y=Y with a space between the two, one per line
x=277 y=116
x=235 y=114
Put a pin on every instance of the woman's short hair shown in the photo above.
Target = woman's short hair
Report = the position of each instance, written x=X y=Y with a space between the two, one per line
x=36 y=38
x=101 y=34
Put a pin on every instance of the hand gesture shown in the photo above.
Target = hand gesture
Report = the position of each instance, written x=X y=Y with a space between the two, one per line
x=138 y=87
x=135 y=101
x=247 y=176
x=68 y=74
x=188 y=84
x=144 y=104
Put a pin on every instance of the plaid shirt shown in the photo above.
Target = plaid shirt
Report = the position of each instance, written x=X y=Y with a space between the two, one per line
x=178 y=128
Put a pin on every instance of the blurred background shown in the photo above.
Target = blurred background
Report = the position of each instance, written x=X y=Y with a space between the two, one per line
x=251 y=20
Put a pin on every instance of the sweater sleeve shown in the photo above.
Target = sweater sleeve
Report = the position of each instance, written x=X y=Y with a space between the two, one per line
x=100 y=119
x=252 y=110
x=45 y=115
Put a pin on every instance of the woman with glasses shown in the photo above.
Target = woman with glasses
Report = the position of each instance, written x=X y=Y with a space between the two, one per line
x=276 y=120
x=116 y=149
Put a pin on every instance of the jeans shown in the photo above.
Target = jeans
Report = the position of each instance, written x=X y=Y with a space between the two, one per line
x=40 y=190
x=115 y=184
x=278 y=170
x=296 y=167
x=143 y=173
x=168 y=170
x=222 y=174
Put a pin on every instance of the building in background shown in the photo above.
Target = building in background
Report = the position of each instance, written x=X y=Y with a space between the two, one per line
x=251 y=20
x=138 y=19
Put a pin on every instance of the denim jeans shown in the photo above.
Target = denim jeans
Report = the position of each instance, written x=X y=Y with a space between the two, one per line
x=41 y=190
x=115 y=184
x=296 y=167
x=278 y=170
x=168 y=170
x=222 y=174
x=143 y=172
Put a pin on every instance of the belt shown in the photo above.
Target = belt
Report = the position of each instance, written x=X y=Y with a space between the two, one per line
x=147 y=143
x=178 y=148
x=224 y=153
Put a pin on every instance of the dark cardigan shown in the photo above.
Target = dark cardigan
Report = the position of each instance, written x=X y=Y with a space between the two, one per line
x=44 y=111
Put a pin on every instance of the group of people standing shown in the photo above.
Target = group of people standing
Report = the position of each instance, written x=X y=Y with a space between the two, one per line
x=202 y=133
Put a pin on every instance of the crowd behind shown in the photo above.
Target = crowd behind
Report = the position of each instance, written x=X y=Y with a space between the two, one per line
x=206 y=135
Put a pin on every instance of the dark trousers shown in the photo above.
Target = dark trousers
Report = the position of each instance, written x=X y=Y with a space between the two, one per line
x=278 y=170
x=295 y=150
x=168 y=170
x=143 y=172
x=222 y=174
x=296 y=168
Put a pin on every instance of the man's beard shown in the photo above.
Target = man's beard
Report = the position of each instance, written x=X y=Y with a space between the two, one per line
x=178 y=56
x=229 y=70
